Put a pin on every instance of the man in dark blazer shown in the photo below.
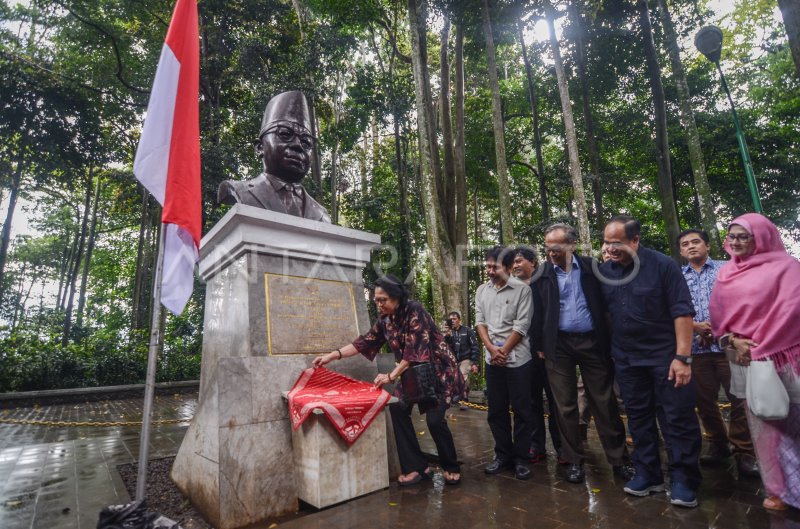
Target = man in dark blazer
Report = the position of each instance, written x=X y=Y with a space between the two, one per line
x=284 y=145
x=569 y=330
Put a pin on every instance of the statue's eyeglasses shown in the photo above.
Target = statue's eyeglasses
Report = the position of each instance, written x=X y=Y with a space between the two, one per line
x=287 y=135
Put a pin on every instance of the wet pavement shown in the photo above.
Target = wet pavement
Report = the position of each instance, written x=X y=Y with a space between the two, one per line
x=59 y=477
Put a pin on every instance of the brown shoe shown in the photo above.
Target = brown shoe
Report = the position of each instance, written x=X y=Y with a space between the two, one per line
x=774 y=503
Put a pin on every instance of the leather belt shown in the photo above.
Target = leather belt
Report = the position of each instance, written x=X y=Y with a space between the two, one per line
x=588 y=334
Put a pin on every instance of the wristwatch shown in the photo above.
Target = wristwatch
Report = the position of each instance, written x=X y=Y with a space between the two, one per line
x=726 y=340
x=685 y=359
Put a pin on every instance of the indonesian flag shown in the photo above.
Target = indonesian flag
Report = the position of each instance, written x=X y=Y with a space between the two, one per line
x=168 y=158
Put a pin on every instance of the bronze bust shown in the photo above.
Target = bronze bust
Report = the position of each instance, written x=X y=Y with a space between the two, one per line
x=284 y=145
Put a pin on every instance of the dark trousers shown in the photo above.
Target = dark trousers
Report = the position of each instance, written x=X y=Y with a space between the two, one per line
x=710 y=371
x=510 y=386
x=408 y=450
x=540 y=387
x=644 y=388
x=597 y=372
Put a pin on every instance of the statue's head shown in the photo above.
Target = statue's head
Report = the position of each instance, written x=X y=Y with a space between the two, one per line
x=285 y=142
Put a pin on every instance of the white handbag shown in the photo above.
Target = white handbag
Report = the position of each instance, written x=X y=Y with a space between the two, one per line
x=767 y=397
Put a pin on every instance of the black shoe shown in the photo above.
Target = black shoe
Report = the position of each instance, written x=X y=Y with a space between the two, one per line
x=497 y=466
x=522 y=472
x=575 y=473
x=625 y=471
x=715 y=455
x=747 y=465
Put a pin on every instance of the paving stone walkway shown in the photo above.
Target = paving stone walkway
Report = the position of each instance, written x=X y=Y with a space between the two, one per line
x=59 y=477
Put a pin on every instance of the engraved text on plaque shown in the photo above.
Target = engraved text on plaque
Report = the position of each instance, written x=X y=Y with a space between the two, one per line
x=308 y=316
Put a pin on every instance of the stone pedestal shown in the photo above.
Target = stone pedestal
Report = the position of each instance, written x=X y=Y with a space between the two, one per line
x=236 y=460
x=329 y=471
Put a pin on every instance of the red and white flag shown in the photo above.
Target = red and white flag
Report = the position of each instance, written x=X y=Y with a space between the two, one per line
x=168 y=158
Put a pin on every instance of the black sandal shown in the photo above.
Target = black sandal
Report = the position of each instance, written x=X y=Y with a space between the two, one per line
x=424 y=475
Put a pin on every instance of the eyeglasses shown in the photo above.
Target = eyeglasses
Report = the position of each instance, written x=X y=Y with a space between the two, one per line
x=287 y=135
x=741 y=237
x=380 y=301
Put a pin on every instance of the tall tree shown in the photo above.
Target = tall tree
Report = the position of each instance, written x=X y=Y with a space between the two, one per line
x=447 y=274
x=448 y=205
x=569 y=130
x=533 y=101
x=591 y=136
x=790 y=9
x=705 y=199
x=507 y=229
x=665 y=189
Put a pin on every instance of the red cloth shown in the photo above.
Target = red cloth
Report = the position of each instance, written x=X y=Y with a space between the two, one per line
x=758 y=296
x=351 y=405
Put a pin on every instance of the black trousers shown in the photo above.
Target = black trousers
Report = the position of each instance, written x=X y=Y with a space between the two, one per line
x=411 y=456
x=597 y=371
x=510 y=386
x=541 y=385
x=645 y=389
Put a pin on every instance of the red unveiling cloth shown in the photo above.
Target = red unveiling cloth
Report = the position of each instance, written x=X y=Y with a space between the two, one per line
x=350 y=404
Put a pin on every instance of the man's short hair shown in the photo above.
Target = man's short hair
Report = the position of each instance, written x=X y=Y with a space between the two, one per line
x=703 y=235
x=455 y=313
x=500 y=254
x=570 y=232
x=527 y=252
x=632 y=226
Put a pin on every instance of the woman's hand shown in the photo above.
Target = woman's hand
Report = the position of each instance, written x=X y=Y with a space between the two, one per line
x=381 y=379
x=743 y=346
x=321 y=360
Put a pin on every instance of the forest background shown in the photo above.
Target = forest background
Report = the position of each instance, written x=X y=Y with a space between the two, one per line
x=444 y=126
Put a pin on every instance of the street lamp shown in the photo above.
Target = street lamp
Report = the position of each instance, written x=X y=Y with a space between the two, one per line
x=708 y=41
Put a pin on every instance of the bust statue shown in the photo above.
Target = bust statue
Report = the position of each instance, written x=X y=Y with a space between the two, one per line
x=284 y=145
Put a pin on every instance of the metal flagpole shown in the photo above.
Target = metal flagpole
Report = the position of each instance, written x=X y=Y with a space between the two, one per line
x=150 y=382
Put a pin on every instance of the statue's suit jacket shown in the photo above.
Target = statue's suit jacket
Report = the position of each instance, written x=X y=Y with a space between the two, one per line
x=259 y=192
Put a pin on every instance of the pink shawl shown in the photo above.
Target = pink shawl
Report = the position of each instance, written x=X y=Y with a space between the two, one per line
x=758 y=296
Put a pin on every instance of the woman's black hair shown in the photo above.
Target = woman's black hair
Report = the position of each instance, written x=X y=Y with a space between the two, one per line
x=393 y=287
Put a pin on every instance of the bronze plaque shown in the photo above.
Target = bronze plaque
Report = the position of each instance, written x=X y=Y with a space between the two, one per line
x=309 y=316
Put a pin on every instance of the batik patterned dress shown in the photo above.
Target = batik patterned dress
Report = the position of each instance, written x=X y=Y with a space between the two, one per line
x=412 y=335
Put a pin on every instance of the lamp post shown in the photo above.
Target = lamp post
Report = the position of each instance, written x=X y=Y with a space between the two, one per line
x=708 y=41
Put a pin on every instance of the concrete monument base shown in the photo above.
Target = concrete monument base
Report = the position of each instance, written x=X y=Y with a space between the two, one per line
x=280 y=289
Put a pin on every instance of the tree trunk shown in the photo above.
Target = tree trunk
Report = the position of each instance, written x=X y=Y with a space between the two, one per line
x=449 y=174
x=141 y=267
x=790 y=9
x=460 y=165
x=87 y=203
x=507 y=228
x=662 y=140
x=572 y=140
x=402 y=187
x=533 y=100
x=705 y=199
x=591 y=136
x=5 y=239
x=87 y=260
x=447 y=273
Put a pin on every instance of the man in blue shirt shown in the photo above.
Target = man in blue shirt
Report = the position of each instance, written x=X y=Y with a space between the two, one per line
x=651 y=342
x=709 y=364
x=569 y=331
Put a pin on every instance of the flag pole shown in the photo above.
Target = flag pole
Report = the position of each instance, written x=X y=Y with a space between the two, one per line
x=150 y=382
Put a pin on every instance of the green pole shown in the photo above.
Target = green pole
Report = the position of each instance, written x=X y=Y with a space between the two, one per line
x=748 y=166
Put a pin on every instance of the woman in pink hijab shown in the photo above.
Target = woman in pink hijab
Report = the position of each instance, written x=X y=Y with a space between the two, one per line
x=756 y=300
